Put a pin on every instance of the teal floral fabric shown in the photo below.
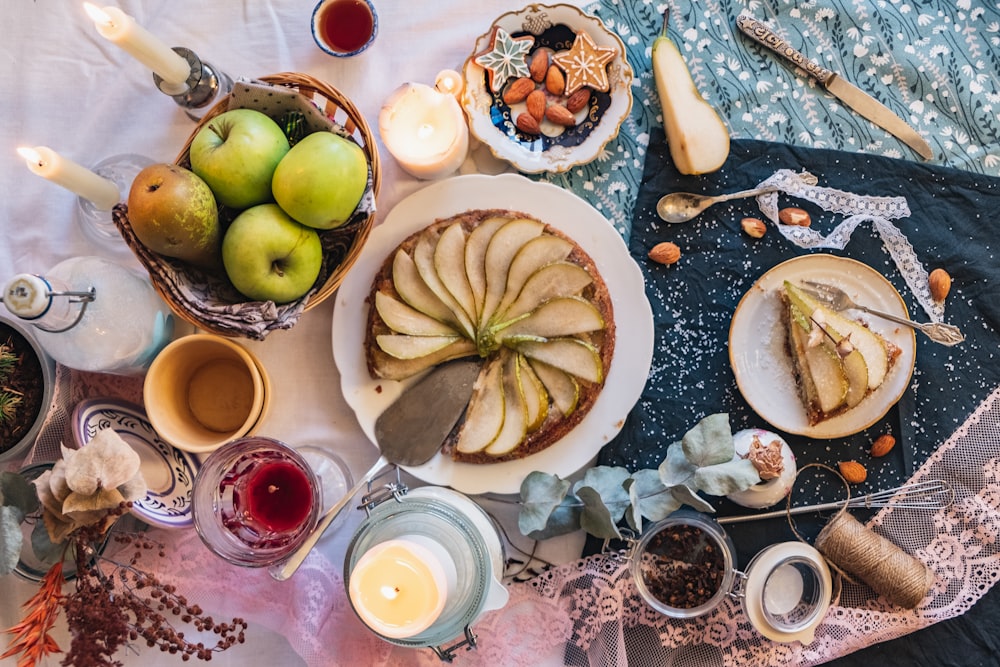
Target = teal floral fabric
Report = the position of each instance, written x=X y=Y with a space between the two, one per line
x=935 y=63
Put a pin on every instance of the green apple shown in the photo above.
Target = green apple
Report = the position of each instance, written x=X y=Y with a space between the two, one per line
x=697 y=137
x=270 y=257
x=173 y=213
x=321 y=180
x=236 y=153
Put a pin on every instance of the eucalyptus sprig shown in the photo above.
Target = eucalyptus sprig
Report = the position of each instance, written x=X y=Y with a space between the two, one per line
x=703 y=460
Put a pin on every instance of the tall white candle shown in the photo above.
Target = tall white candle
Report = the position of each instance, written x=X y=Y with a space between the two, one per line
x=425 y=130
x=51 y=166
x=400 y=587
x=121 y=30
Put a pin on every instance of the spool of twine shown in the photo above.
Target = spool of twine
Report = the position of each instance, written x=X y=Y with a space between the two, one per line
x=853 y=549
x=885 y=567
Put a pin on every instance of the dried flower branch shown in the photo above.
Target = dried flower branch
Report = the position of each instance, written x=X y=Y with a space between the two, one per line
x=31 y=636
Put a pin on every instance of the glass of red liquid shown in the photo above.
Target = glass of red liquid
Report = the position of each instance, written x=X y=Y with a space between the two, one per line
x=255 y=500
x=344 y=27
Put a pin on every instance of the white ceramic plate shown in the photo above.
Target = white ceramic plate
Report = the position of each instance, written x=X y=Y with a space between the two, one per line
x=763 y=370
x=169 y=472
x=492 y=121
x=563 y=210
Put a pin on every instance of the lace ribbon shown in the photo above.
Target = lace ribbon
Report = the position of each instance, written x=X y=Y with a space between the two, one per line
x=880 y=211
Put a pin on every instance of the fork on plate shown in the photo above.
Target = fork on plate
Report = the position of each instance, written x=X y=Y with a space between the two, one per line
x=838 y=299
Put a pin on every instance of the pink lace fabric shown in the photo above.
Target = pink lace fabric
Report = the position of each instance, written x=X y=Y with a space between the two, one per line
x=589 y=612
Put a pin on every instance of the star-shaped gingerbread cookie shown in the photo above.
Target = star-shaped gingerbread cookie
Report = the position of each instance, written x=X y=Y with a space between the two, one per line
x=585 y=64
x=506 y=57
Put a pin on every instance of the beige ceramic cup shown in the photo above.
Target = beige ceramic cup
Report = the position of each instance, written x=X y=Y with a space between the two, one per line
x=203 y=390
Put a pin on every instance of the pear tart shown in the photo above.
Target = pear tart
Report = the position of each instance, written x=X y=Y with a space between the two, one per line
x=837 y=361
x=513 y=291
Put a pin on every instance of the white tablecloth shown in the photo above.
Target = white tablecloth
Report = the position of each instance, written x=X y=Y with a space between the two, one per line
x=66 y=87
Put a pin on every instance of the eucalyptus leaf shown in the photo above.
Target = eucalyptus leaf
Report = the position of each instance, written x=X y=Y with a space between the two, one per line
x=11 y=538
x=633 y=516
x=563 y=520
x=710 y=442
x=609 y=483
x=541 y=494
x=726 y=478
x=596 y=519
x=676 y=469
x=17 y=492
x=685 y=495
x=44 y=549
x=651 y=498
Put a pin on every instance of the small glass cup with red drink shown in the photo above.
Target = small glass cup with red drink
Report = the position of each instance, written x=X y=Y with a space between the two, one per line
x=344 y=27
x=255 y=500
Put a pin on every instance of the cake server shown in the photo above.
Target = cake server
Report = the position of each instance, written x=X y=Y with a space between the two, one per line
x=855 y=98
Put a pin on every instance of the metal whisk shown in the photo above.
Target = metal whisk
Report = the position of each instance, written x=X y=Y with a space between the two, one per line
x=932 y=494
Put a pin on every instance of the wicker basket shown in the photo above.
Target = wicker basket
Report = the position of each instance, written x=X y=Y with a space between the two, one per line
x=176 y=281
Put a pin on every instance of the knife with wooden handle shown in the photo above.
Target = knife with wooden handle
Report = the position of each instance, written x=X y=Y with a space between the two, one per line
x=855 y=98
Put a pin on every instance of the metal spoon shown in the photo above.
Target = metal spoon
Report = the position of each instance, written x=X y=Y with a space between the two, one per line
x=409 y=433
x=679 y=207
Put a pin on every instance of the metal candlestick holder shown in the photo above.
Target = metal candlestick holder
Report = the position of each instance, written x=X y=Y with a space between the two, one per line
x=97 y=225
x=205 y=86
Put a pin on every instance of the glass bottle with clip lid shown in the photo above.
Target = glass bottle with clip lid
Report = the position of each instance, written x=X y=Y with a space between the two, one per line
x=92 y=314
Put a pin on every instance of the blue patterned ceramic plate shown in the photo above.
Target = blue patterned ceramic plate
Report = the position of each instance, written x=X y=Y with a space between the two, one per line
x=169 y=472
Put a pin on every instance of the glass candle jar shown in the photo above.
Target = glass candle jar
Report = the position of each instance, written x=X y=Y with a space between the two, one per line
x=439 y=531
x=255 y=500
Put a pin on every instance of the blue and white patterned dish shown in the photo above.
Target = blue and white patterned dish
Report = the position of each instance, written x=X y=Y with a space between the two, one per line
x=169 y=472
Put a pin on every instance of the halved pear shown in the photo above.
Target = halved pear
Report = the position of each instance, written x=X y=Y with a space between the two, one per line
x=475 y=258
x=504 y=245
x=556 y=318
x=575 y=356
x=414 y=291
x=870 y=345
x=515 y=419
x=822 y=365
x=486 y=413
x=536 y=399
x=558 y=279
x=449 y=263
x=405 y=319
x=561 y=387
x=535 y=254
x=404 y=346
x=391 y=368
x=423 y=259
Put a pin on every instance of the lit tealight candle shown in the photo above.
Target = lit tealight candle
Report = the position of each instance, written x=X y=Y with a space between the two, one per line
x=425 y=129
x=399 y=587
x=121 y=30
x=51 y=166
x=450 y=82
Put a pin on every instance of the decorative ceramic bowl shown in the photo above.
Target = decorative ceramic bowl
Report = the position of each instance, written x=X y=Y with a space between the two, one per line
x=168 y=471
x=47 y=369
x=554 y=149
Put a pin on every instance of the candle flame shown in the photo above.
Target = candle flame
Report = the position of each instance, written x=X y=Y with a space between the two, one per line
x=31 y=155
x=97 y=15
x=425 y=130
x=389 y=592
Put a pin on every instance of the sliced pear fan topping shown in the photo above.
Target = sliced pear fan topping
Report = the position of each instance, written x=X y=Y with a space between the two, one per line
x=508 y=291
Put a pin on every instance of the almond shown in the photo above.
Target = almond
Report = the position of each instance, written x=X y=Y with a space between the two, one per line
x=539 y=66
x=536 y=104
x=578 y=100
x=665 y=253
x=794 y=216
x=852 y=472
x=518 y=90
x=882 y=445
x=555 y=81
x=940 y=283
x=527 y=124
x=754 y=227
x=560 y=115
